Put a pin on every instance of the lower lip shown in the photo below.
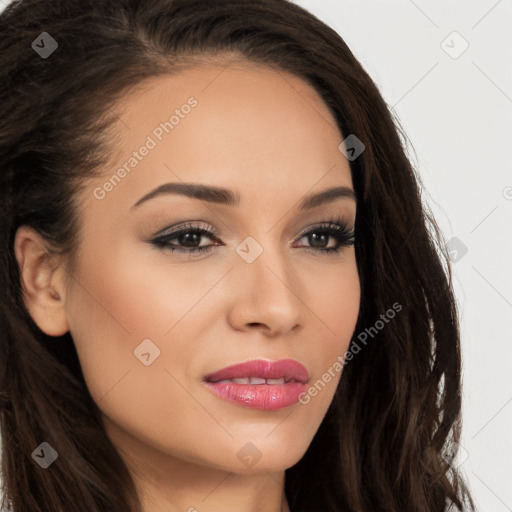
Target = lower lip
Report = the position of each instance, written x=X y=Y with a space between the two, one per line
x=266 y=397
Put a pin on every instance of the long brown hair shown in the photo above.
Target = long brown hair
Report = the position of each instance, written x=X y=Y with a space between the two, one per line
x=396 y=411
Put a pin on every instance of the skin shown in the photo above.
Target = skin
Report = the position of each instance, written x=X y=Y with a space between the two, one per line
x=269 y=137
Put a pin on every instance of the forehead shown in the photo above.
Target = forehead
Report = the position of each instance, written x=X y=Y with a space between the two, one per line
x=235 y=125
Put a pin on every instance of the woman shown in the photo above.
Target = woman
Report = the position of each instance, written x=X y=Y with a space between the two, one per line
x=304 y=358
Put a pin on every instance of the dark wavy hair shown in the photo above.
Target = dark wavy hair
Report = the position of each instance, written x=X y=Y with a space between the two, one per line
x=396 y=413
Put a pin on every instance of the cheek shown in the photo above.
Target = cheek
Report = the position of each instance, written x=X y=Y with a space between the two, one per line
x=148 y=293
x=115 y=307
x=335 y=301
x=134 y=300
x=120 y=298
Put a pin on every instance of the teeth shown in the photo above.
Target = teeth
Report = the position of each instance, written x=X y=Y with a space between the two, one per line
x=255 y=380
x=276 y=381
x=241 y=380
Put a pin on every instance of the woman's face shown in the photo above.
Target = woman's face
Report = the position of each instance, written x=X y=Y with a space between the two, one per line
x=150 y=323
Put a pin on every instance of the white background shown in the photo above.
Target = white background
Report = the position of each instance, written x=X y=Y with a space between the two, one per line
x=457 y=113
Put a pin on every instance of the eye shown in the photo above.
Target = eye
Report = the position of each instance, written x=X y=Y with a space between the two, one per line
x=337 y=229
x=189 y=236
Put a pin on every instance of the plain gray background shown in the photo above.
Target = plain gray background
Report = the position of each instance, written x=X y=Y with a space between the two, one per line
x=455 y=104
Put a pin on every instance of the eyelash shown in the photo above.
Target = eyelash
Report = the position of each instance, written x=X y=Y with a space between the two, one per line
x=335 y=227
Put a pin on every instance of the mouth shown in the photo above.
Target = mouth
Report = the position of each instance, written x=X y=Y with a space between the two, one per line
x=260 y=372
x=260 y=384
x=255 y=380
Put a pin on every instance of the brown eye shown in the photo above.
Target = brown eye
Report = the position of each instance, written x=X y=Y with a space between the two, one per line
x=319 y=237
x=189 y=237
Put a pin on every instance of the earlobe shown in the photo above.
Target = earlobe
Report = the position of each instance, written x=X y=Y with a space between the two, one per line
x=42 y=281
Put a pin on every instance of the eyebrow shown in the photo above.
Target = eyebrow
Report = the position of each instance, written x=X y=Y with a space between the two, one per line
x=227 y=197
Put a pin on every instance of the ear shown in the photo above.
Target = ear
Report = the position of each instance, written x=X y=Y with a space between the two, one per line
x=43 y=280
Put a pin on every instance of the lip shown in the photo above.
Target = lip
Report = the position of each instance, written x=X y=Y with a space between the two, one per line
x=260 y=396
x=287 y=368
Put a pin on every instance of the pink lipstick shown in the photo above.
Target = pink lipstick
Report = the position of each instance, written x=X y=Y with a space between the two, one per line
x=260 y=384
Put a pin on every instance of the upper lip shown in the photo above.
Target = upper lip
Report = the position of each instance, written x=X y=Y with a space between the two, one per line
x=287 y=368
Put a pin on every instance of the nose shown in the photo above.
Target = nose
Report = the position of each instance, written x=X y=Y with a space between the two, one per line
x=266 y=296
